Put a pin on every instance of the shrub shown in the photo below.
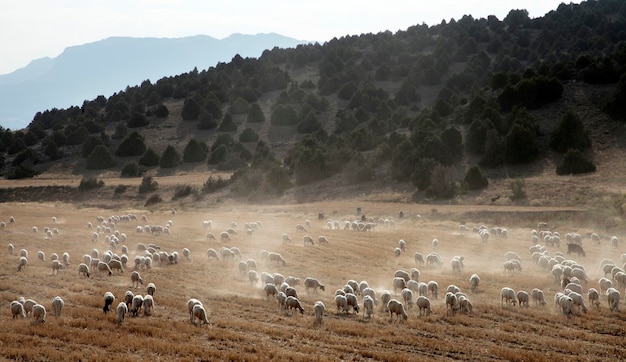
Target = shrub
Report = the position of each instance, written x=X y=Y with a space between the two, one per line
x=100 y=158
x=570 y=133
x=132 y=169
x=170 y=158
x=440 y=185
x=195 y=151
x=120 y=189
x=131 y=146
x=137 y=120
x=89 y=183
x=148 y=184
x=191 y=109
x=89 y=145
x=575 y=163
x=474 y=179
x=518 y=191
x=153 y=199
x=248 y=135
x=213 y=184
x=183 y=190
x=228 y=125
x=206 y=122
x=255 y=114
x=149 y=158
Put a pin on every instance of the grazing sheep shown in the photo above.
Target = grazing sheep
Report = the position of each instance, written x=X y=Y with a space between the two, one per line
x=211 y=253
x=11 y=220
x=605 y=284
x=423 y=303
x=319 y=308
x=41 y=256
x=474 y=281
x=403 y=274
x=17 y=310
x=136 y=279
x=28 y=305
x=368 y=305
x=66 y=259
x=354 y=285
x=435 y=244
x=270 y=289
x=407 y=296
x=507 y=294
x=187 y=254
x=307 y=239
x=56 y=265
x=253 y=277
x=104 y=267
x=433 y=260
x=122 y=309
x=192 y=302
x=452 y=303
x=322 y=240
x=574 y=287
x=523 y=298
x=225 y=236
x=109 y=298
x=251 y=264
x=210 y=236
x=117 y=265
x=594 y=298
x=243 y=267
x=385 y=297
x=433 y=287
x=290 y=291
x=613 y=297
x=578 y=300
x=453 y=289
x=300 y=227
x=419 y=259
x=275 y=258
x=22 y=263
x=398 y=283
x=397 y=252
x=11 y=249
x=281 y=297
x=456 y=265
x=57 y=304
x=342 y=303
x=422 y=289
x=148 y=305
x=39 y=313
x=150 y=289
x=465 y=305
x=352 y=302
x=538 y=296
x=278 y=279
x=293 y=303
x=396 y=307
x=136 y=305
x=565 y=303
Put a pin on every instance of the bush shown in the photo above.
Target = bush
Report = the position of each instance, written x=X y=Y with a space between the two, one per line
x=255 y=114
x=149 y=158
x=213 y=184
x=195 y=151
x=248 y=135
x=131 y=146
x=575 y=163
x=228 y=125
x=132 y=170
x=148 y=185
x=518 y=192
x=183 y=191
x=570 y=133
x=153 y=199
x=120 y=189
x=206 y=122
x=89 y=145
x=100 y=158
x=170 y=158
x=440 y=185
x=474 y=179
x=191 y=109
x=89 y=183
x=137 y=120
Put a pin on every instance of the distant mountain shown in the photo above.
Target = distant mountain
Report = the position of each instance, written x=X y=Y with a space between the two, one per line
x=108 y=66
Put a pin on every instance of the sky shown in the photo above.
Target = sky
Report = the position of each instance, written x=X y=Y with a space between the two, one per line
x=33 y=29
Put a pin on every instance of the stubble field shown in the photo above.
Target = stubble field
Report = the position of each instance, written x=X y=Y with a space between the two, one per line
x=245 y=325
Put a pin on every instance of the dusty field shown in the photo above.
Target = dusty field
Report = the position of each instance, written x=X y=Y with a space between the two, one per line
x=245 y=325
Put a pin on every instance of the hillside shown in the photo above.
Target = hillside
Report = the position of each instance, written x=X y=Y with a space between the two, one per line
x=403 y=115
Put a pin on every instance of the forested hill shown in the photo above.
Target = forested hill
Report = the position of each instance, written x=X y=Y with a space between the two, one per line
x=419 y=105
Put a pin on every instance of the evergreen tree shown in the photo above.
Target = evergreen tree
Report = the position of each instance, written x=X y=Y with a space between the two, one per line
x=170 y=158
x=100 y=158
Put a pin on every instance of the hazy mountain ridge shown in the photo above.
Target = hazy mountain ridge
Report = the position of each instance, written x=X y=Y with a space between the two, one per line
x=110 y=65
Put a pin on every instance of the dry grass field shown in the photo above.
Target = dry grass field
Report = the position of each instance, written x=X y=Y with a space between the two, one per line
x=245 y=325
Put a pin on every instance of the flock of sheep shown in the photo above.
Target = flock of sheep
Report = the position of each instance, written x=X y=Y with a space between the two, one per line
x=404 y=290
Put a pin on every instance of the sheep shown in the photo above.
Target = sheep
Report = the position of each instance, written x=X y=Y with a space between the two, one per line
x=396 y=307
x=251 y=264
x=613 y=297
x=24 y=253
x=565 y=303
x=243 y=267
x=187 y=254
x=225 y=236
x=578 y=300
x=281 y=297
x=385 y=297
x=456 y=265
x=57 y=304
x=17 y=310
x=22 y=263
x=28 y=305
x=211 y=253
x=423 y=303
x=435 y=244
x=605 y=284
x=452 y=303
x=465 y=305
x=270 y=289
x=523 y=298
x=402 y=274
x=191 y=303
x=275 y=258
x=354 y=285
x=109 y=298
x=433 y=288
x=253 y=277
x=278 y=279
x=342 y=303
x=507 y=294
x=322 y=240
x=419 y=259
x=594 y=298
x=413 y=285
x=290 y=291
x=39 y=313
x=66 y=259
x=474 y=281
x=150 y=289
x=56 y=265
x=307 y=239
x=104 y=267
x=136 y=279
x=136 y=305
x=415 y=274
x=11 y=249
x=614 y=241
x=11 y=220
x=122 y=309
x=368 y=304
x=352 y=302
x=116 y=265
x=319 y=308
x=538 y=296
x=422 y=289
x=41 y=256
x=397 y=252
x=433 y=260
x=148 y=305
x=407 y=296
x=300 y=227
x=348 y=289
x=293 y=303
x=398 y=283
x=574 y=287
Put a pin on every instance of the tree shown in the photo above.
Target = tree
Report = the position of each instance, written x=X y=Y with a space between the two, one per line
x=575 y=163
x=309 y=124
x=403 y=161
x=284 y=115
x=132 y=169
x=131 y=146
x=191 y=109
x=474 y=179
x=137 y=120
x=248 y=135
x=255 y=114
x=420 y=177
x=570 y=133
x=195 y=151
x=149 y=158
x=218 y=155
x=520 y=145
x=100 y=158
x=170 y=158
x=121 y=130
x=228 y=125
x=78 y=136
x=89 y=145
x=206 y=122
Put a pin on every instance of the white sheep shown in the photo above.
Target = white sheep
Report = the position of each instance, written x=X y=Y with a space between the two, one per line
x=407 y=296
x=538 y=296
x=396 y=307
x=122 y=309
x=11 y=249
x=191 y=303
x=211 y=253
x=566 y=303
x=352 y=302
x=187 y=254
x=613 y=297
x=452 y=303
x=57 y=304
x=507 y=294
x=433 y=288
x=322 y=240
x=465 y=305
x=578 y=300
x=253 y=276
x=103 y=267
x=243 y=267
x=39 y=313
x=474 y=281
x=293 y=303
x=275 y=258
x=594 y=298
x=319 y=308
x=456 y=265
x=423 y=303
x=385 y=297
x=523 y=298
x=41 y=256
x=342 y=303
x=56 y=265
x=136 y=279
x=28 y=305
x=397 y=252
x=281 y=298
x=109 y=298
x=22 y=263
x=419 y=259
x=307 y=239
x=270 y=289
x=136 y=305
x=398 y=284
x=148 y=305
x=17 y=310
x=150 y=289
x=368 y=305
